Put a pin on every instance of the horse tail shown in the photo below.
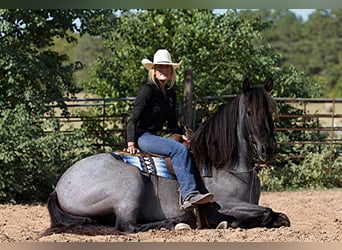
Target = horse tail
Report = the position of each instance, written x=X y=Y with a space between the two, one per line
x=61 y=220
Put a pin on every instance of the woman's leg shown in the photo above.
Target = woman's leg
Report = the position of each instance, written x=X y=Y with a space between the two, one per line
x=180 y=159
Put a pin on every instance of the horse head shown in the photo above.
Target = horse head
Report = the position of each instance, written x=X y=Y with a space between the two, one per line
x=258 y=107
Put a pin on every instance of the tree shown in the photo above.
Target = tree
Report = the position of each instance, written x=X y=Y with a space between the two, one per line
x=87 y=49
x=30 y=71
x=31 y=75
x=324 y=29
x=312 y=46
x=220 y=49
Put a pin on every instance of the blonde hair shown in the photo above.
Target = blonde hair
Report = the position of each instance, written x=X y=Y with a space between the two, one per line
x=151 y=77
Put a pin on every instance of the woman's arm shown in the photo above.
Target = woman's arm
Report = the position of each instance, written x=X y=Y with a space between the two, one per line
x=141 y=101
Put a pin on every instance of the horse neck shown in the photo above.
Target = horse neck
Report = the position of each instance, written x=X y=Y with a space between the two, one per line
x=245 y=156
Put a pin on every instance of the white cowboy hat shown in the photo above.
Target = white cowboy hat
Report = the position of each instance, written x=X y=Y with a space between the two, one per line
x=162 y=56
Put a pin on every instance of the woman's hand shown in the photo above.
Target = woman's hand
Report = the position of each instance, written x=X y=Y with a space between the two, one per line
x=131 y=148
x=186 y=140
x=181 y=139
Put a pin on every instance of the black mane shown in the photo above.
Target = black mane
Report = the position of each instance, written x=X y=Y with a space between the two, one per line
x=214 y=143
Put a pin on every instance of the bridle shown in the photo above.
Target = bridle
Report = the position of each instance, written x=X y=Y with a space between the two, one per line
x=257 y=162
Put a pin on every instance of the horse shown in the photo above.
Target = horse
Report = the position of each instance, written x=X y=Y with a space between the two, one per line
x=228 y=148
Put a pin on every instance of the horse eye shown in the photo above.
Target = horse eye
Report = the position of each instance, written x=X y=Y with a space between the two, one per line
x=249 y=112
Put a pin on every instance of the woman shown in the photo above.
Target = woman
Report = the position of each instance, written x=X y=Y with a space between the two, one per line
x=155 y=105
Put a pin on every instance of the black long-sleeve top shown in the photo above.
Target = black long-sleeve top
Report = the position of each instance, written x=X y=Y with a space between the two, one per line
x=152 y=110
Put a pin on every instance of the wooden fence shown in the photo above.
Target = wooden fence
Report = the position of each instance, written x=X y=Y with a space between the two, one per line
x=326 y=112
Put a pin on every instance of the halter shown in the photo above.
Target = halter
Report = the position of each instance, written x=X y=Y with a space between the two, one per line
x=258 y=163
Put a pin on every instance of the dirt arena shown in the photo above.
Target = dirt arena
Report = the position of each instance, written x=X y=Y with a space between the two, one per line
x=316 y=216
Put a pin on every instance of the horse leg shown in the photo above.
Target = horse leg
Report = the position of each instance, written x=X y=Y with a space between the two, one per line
x=245 y=215
x=164 y=224
x=128 y=213
x=61 y=220
x=126 y=221
x=264 y=217
x=280 y=220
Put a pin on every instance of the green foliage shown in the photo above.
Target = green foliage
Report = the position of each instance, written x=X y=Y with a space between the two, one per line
x=209 y=44
x=31 y=75
x=103 y=125
x=27 y=61
x=313 y=46
x=86 y=52
x=220 y=49
x=26 y=66
x=316 y=171
x=31 y=161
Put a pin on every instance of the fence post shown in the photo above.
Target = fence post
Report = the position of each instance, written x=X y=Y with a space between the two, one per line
x=187 y=114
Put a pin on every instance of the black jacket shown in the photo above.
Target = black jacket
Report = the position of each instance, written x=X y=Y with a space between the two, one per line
x=152 y=110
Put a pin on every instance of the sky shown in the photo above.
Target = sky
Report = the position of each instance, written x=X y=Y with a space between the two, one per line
x=304 y=13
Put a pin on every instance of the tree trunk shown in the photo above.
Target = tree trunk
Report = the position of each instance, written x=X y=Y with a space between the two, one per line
x=188 y=97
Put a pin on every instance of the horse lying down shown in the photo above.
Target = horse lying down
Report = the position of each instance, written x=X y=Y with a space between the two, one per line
x=228 y=148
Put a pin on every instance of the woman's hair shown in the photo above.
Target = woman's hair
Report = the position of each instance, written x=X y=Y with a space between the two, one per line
x=151 y=76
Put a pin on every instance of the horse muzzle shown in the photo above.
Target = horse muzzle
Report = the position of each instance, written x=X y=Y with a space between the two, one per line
x=265 y=151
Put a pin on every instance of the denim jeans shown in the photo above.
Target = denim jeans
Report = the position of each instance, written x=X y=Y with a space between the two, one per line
x=180 y=159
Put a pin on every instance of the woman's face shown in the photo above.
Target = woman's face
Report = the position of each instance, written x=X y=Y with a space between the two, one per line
x=162 y=72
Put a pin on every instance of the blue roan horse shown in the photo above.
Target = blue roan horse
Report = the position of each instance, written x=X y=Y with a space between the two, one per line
x=227 y=149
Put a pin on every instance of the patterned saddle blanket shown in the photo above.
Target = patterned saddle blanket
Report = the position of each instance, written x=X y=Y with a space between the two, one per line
x=150 y=164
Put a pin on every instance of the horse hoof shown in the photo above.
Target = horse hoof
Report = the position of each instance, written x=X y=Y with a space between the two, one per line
x=182 y=226
x=282 y=221
x=222 y=225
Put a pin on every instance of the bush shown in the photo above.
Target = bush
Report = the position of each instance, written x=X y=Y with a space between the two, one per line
x=31 y=160
x=104 y=131
x=317 y=171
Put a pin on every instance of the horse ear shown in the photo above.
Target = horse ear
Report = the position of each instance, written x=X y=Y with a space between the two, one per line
x=246 y=86
x=268 y=85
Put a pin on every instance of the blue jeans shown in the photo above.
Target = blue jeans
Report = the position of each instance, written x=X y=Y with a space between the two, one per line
x=180 y=159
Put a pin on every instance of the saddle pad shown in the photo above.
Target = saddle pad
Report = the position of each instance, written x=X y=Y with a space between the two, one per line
x=149 y=164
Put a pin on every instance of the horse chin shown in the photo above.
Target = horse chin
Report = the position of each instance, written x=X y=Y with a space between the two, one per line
x=264 y=154
x=265 y=162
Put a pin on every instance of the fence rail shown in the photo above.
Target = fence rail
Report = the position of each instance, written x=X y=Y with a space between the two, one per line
x=327 y=113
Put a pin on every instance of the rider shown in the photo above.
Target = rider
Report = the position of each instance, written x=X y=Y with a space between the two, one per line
x=154 y=106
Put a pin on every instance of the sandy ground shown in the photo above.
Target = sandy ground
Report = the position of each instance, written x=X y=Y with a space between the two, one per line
x=316 y=216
